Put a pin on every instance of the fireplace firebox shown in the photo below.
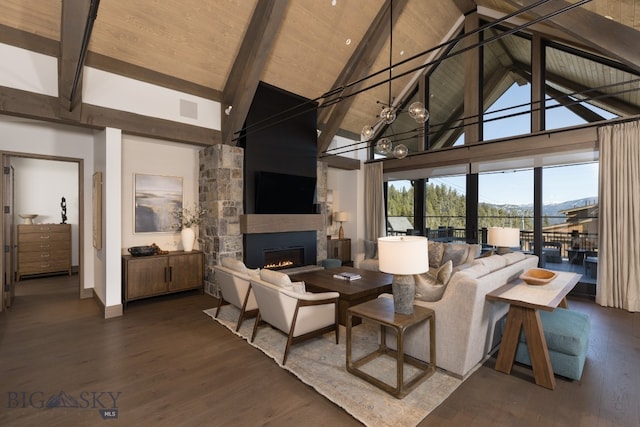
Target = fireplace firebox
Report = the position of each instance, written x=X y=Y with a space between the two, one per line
x=280 y=250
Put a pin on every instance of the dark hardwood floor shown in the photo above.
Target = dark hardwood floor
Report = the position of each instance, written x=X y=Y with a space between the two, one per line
x=166 y=363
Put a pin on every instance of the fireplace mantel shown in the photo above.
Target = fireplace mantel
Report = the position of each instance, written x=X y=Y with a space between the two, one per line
x=280 y=223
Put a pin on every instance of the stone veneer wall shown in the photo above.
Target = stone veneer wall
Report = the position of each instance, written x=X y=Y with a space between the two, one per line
x=220 y=188
x=221 y=194
x=321 y=200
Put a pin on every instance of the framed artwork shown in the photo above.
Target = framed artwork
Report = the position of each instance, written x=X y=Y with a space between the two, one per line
x=156 y=198
x=97 y=210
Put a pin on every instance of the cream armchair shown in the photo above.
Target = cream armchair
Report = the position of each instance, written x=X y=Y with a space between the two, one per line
x=299 y=315
x=235 y=289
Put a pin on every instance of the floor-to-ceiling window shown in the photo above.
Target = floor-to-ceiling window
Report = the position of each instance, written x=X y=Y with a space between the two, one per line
x=446 y=208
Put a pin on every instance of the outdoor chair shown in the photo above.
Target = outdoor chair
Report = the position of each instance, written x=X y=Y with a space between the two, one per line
x=552 y=252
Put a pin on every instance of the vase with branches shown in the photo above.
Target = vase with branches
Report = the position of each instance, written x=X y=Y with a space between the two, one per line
x=186 y=219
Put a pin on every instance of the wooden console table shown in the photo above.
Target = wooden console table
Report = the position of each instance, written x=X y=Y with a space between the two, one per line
x=148 y=276
x=525 y=301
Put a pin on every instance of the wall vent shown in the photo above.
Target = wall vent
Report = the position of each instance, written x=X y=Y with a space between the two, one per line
x=188 y=109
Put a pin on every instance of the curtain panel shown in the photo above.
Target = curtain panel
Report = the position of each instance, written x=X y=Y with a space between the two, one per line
x=619 y=211
x=374 y=217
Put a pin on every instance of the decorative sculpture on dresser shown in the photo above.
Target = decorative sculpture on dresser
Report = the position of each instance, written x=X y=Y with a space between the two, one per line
x=63 y=205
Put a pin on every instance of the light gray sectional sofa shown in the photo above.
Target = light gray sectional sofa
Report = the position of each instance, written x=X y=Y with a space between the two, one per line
x=465 y=321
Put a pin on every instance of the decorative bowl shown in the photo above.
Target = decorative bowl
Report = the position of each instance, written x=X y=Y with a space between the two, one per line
x=142 y=250
x=538 y=276
x=28 y=218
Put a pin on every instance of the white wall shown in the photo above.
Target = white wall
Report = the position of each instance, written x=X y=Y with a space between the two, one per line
x=39 y=186
x=32 y=137
x=169 y=159
x=30 y=71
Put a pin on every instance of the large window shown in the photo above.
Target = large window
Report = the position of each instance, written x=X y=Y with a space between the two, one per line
x=505 y=199
x=399 y=207
x=446 y=208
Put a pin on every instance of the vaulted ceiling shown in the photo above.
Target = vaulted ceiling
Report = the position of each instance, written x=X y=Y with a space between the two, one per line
x=221 y=49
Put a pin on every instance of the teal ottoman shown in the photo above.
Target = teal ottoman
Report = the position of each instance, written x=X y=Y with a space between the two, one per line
x=567 y=335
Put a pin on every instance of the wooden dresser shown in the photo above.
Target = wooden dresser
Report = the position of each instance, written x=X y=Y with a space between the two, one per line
x=43 y=249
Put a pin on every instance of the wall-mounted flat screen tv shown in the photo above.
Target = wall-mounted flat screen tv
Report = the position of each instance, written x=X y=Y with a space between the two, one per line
x=279 y=193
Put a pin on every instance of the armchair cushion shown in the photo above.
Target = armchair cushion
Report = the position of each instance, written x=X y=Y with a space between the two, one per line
x=275 y=277
x=234 y=264
x=431 y=287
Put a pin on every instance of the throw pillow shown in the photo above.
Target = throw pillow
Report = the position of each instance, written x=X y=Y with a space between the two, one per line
x=275 y=278
x=234 y=264
x=431 y=287
x=298 y=287
x=436 y=250
x=455 y=252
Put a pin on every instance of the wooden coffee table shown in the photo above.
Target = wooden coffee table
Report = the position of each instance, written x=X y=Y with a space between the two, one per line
x=352 y=292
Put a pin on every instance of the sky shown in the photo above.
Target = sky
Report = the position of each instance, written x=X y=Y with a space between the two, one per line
x=560 y=183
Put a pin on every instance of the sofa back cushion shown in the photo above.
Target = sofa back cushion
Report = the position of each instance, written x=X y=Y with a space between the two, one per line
x=456 y=253
x=436 y=251
x=492 y=262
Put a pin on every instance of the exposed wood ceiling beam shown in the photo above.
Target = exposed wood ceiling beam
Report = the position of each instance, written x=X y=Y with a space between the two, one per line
x=75 y=30
x=249 y=65
x=618 y=106
x=32 y=105
x=29 y=41
x=358 y=67
x=341 y=162
x=466 y=6
x=610 y=38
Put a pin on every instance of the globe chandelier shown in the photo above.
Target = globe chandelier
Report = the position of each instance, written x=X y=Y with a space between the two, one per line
x=387 y=116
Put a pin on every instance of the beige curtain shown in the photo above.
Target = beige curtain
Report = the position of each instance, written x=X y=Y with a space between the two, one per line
x=619 y=211
x=374 y=221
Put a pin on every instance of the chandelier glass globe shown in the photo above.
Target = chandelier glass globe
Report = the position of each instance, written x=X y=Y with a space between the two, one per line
x=400 y=151
x=367 y=132
x=383 y=146
x=388 y=115
x=418 y=112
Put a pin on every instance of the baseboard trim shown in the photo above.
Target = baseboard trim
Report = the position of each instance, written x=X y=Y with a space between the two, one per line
x=86 y=293
x=111 y=311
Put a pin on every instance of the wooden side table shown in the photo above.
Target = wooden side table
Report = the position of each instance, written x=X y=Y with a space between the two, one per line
x=380 y=311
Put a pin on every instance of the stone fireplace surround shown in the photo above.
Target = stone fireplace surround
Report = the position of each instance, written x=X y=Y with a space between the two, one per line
x=221 y=180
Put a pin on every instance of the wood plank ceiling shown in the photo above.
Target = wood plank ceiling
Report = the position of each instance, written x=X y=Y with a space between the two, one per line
x=193 y=45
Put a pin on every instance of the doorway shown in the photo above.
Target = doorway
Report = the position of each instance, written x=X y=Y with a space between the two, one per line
x=51 y=188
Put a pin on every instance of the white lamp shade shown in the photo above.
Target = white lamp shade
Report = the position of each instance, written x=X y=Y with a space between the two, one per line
x=403 y=254
x=503 y=237
x=341 y=216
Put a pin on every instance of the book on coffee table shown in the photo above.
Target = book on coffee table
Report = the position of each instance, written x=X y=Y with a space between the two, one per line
x=347 y=276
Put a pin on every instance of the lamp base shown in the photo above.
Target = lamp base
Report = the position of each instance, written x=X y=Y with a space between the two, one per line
x=502 y=250
x=341 y=233
x=404 y=291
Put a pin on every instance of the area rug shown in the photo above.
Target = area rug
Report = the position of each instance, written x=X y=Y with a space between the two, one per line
x=321 y=364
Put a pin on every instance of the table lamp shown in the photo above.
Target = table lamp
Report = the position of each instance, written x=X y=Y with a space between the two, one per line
x=403 y=256
x=341 y=217
x=503 y=238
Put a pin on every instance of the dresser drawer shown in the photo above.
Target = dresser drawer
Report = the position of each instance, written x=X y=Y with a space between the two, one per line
x=51 y=256
x=39 y=267
x=42 y=237
x=44 y=246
